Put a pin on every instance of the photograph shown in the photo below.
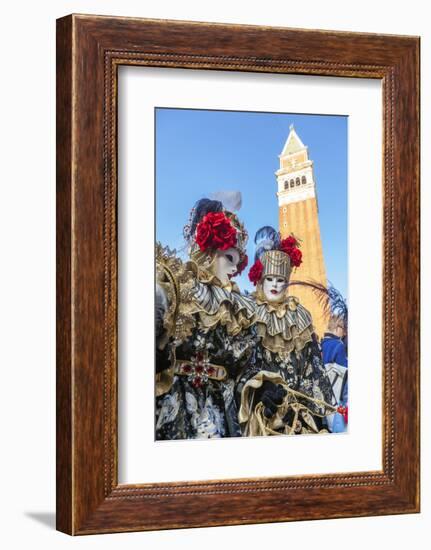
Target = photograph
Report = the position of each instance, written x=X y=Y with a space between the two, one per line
x=251 y=275
x=214 y=238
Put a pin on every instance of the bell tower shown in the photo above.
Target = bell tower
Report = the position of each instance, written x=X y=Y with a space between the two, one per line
x=298 y=214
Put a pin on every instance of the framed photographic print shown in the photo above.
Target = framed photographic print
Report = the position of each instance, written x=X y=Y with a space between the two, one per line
x=238 y=265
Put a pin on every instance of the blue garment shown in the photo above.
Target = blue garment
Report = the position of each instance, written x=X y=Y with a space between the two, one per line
x=334 y=351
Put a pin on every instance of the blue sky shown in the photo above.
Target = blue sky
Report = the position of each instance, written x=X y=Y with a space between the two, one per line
x=200 y=151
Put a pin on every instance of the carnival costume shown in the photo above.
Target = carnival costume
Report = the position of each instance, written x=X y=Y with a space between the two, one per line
x=285 y=388
x=202 y=330
x=334 y=355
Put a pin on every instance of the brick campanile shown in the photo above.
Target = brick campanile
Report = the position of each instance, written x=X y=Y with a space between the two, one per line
x=298 y=214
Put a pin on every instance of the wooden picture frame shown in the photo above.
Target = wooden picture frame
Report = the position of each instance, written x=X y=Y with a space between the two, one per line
x=89 y=51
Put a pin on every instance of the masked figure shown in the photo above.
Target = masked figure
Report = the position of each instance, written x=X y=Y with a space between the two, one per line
x=334 y=355
x=285 y=388
x=203 y=336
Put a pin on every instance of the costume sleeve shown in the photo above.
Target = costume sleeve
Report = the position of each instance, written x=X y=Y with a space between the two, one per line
x=247 y=374
x=249 y=410
x=163 y=359
x=313 y=380
x=297 y=413
x=340 y=356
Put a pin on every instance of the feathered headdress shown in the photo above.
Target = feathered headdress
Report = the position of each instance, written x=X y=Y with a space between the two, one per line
x=213 y=227
x=274 y=255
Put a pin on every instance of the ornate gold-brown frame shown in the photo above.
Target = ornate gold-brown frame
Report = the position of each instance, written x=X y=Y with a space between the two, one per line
x=89 y=51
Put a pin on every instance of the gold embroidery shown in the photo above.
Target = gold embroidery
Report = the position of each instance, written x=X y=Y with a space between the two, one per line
x=179 y=280
x=254 y=423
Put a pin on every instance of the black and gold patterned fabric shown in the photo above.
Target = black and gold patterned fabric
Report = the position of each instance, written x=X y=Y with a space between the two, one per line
x=206 y=340
x=287 y=354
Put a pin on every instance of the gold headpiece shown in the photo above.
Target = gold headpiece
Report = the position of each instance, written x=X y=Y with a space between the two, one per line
x=206 y=257
x=276 y=263
x=241 y=232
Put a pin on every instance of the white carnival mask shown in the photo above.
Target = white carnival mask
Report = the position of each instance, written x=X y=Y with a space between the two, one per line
x=273 y=287
x=226 y=264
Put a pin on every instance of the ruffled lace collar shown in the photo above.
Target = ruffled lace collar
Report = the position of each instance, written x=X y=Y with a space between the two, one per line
x=282 y=326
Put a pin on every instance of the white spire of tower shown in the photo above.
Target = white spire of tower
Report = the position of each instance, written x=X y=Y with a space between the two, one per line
x=295 y=177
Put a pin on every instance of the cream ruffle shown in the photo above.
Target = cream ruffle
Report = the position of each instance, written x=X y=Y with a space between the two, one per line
x=193 y=303
x=283 y=327
x=212 y=305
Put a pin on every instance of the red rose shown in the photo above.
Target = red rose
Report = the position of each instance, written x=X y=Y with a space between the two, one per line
x=203 y=235
x=345 y=412
x=215 y=218
x=242 y=265
x=295 y=257
x=225 y=238
x=255 y=272
x=223 y=233
x=288 y=245
x=215 y=231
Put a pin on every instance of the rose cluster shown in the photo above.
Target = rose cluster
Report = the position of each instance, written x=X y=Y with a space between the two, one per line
x=345 y=412
x=242 y=265
x=290 y=247
x=215 y=231
x=255 y=272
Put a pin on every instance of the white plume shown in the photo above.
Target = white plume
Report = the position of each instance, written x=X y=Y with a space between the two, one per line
x=231 y=200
